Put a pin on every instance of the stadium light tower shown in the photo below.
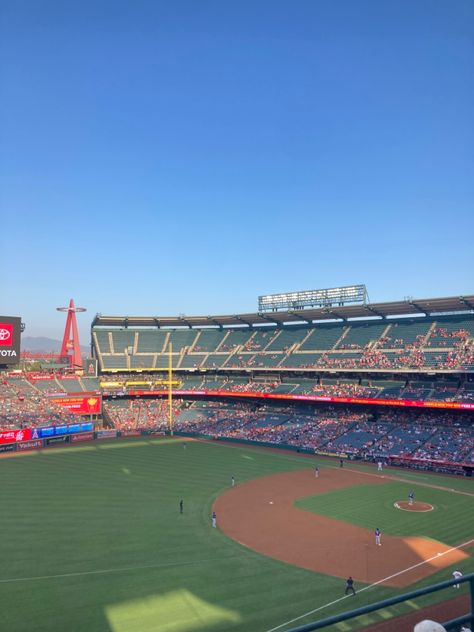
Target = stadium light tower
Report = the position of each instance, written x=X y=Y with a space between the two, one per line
x=71 y=336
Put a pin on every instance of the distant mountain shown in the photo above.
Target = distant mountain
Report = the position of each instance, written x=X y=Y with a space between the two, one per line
x=44 y=345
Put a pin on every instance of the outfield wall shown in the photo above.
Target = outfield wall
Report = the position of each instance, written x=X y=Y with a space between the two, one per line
x=55 y=436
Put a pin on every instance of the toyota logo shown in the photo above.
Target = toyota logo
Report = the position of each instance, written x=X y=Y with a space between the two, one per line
x=4 y=334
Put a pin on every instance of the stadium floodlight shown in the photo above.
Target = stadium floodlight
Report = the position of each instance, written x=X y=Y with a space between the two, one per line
x=313 y=298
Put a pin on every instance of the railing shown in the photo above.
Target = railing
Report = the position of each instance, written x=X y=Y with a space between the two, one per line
x=352 y=614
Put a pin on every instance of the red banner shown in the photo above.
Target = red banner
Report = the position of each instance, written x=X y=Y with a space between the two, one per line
x=80 y=404
x=318 y=398
x=12 y=436
x=84 y=436
x=131 y=433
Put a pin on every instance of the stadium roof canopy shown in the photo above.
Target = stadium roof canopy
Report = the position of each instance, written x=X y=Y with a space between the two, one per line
x=411 y=307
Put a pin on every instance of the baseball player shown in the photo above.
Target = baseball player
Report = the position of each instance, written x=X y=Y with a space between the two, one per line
x=378 y=535
x=457 y=575
x=214 y=520
x=350 y=586
x=411 y=498
x=181 y=506
x=380 y=466
x=316 y=472
x=232 y=480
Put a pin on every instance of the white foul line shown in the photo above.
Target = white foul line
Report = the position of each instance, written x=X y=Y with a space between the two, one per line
x=380 y=581
x=113 y=570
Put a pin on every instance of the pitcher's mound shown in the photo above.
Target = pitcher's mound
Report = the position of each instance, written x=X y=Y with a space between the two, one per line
x=415 y=506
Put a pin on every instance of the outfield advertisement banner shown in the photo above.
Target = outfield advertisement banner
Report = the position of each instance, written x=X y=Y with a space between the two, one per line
x=13 y=436
x=84 y=436
x=53 y=431
x=8 y=447
x=106 y=434
x=131 y=433
x=56 y=440
x=316 y=398
x=89 y=404
x=30 y=445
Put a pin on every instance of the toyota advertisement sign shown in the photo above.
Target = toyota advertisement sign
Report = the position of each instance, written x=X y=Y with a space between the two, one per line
x=10 y=331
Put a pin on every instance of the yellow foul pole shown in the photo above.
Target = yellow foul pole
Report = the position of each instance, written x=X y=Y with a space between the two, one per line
x=170 y=388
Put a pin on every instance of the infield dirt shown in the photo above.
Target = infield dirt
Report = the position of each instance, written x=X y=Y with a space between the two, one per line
x=261 y=515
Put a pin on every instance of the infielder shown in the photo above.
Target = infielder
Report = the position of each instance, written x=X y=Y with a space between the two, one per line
x=378 y=535
x=411 y=498
x=316 y=472
x=214 y=520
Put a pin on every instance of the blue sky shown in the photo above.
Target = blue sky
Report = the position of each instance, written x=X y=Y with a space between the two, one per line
x=185 y=157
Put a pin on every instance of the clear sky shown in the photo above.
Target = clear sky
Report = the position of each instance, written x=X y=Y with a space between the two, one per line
x=159 y=158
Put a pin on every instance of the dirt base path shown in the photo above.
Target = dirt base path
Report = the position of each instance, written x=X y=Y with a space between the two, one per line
x=261 y=515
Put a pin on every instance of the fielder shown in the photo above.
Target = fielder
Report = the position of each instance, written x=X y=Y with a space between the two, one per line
x=411 y=498
x=457 y=575
x=379 y=466
x=350 y=586
x=214 y=520
x=316 y=472
x=378 y=535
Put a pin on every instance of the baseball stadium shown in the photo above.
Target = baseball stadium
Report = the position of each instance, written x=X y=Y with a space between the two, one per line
x=307 y=466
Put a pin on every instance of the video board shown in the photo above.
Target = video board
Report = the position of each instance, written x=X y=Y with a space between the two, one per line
x=10 y=335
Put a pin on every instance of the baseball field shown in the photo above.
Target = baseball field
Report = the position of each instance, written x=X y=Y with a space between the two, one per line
x=92 y=538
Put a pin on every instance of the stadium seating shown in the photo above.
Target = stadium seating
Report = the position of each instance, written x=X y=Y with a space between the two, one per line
x=445 y=343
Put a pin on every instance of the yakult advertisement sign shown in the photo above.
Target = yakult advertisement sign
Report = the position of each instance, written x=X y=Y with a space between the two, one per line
x=10 y=332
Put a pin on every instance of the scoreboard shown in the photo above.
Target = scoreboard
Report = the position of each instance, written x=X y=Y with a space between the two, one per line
x=10 y=334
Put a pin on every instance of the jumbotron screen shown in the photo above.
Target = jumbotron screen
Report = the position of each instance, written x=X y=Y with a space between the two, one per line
x=10 y=335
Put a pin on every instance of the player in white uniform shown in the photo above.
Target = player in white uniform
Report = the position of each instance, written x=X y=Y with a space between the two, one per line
x=379 y=466
x=457 y=575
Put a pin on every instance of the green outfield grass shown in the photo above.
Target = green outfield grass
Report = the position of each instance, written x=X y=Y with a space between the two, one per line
x=92 y=541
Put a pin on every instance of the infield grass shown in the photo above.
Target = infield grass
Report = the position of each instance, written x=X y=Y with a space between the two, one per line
x=450 y=521
x=92 y=541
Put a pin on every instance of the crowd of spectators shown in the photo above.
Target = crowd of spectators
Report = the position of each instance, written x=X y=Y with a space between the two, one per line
x=22 y=406
x=433 y=436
